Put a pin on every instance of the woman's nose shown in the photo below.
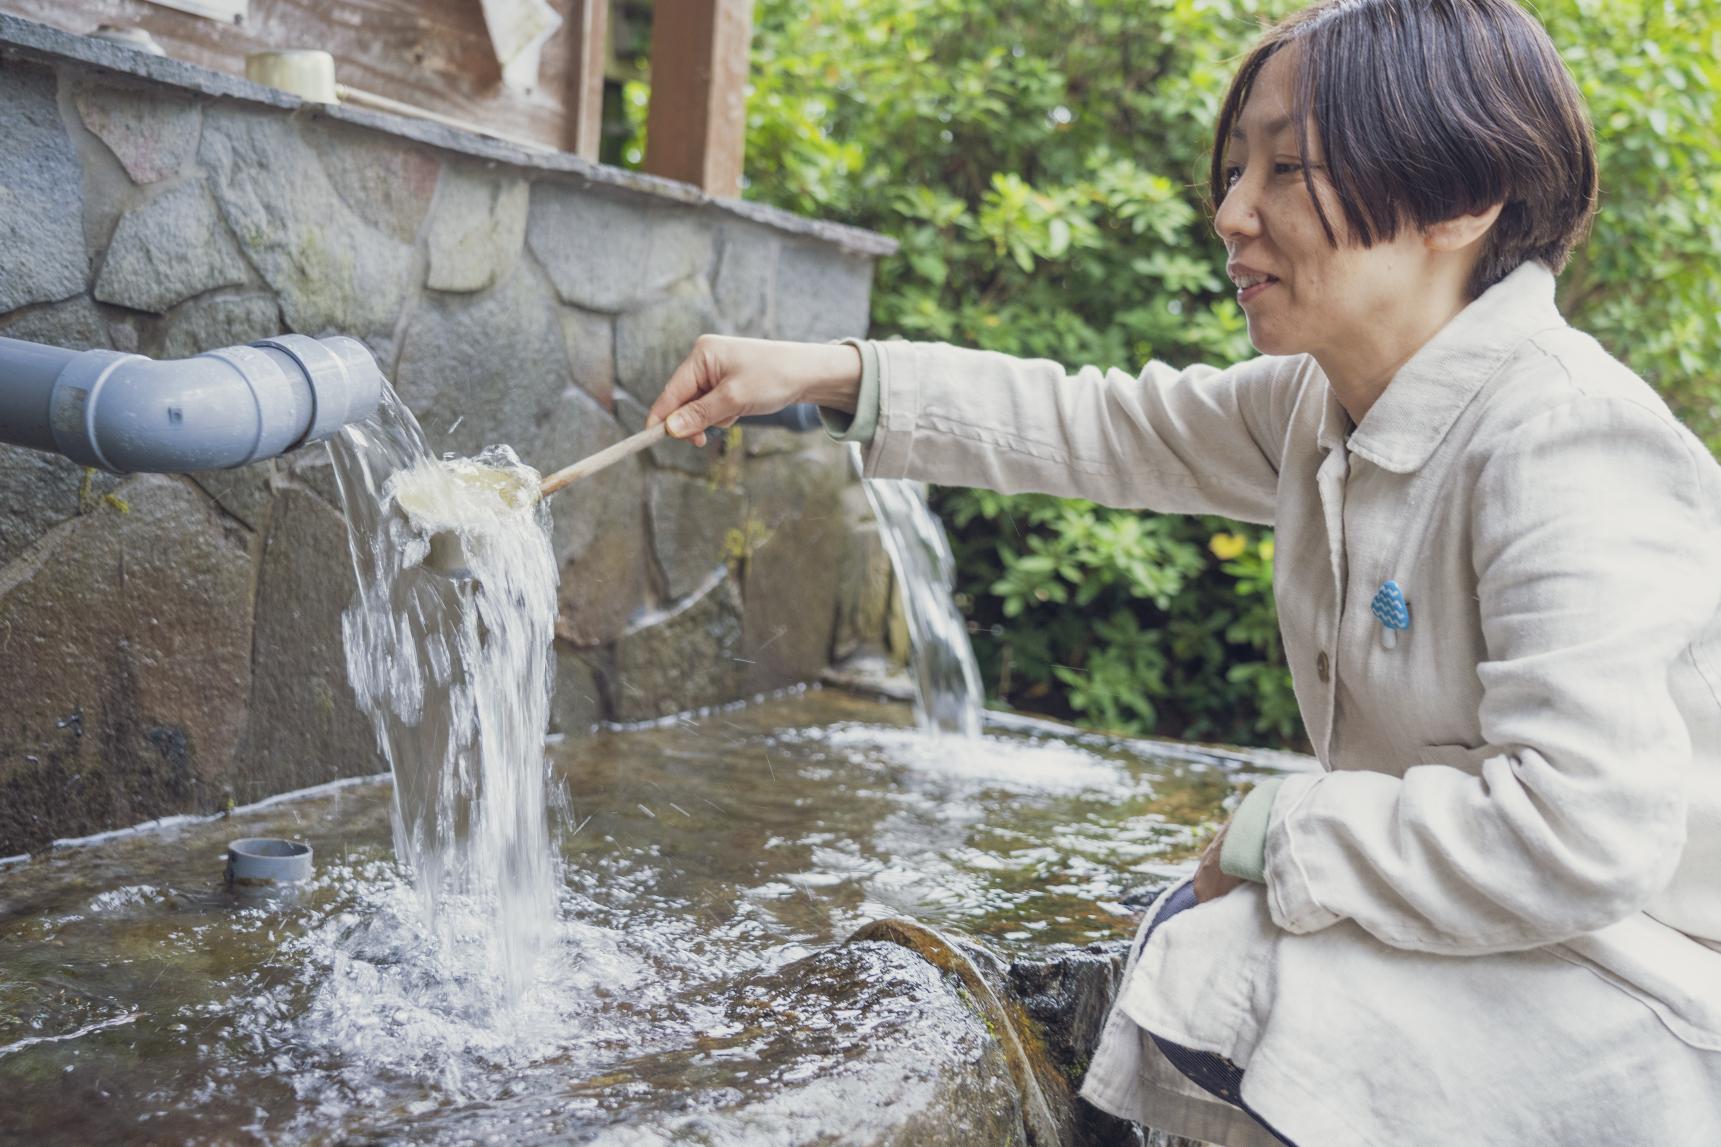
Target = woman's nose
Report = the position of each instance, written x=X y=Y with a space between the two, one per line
x=1236 y=217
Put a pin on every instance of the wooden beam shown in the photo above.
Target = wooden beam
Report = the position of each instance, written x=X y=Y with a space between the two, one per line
x=697 y=124
x=587 y=30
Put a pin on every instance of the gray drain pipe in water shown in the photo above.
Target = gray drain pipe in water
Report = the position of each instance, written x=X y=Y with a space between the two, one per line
x=127 y=413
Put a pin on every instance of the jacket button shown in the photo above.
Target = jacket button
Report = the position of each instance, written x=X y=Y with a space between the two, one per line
x=1323 y=666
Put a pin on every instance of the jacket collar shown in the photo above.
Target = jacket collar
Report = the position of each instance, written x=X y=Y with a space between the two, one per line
x=1413 y=414
x=1336 y=424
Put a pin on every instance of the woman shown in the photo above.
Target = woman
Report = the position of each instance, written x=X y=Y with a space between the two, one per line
x=1495 y=916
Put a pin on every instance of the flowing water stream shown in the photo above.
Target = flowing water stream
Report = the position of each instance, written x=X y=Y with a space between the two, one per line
x=448 y=652
x=948 y=697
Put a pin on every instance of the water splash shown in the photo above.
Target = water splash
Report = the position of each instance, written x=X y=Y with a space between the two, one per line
x=454 y=672
x=948 y=697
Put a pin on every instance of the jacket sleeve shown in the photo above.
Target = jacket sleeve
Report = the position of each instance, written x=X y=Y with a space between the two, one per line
x=1598 y=558
x=1201 y=440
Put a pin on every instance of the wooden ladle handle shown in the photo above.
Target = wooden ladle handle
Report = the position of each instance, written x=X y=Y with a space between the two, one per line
x=585 y=467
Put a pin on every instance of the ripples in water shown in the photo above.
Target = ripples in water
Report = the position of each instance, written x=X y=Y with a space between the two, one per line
x=139 y=999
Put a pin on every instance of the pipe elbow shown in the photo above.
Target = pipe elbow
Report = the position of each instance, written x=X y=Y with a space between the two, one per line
x=226 y=408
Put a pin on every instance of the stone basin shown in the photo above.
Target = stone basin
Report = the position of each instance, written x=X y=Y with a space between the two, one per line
x=707 y=984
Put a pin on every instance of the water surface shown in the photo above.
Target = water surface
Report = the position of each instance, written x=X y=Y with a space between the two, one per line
x=139 y=1001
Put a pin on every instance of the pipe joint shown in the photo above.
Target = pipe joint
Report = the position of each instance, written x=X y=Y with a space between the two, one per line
x=230 y=407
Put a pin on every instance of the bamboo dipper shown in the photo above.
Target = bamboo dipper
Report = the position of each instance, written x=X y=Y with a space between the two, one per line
x=644 y=440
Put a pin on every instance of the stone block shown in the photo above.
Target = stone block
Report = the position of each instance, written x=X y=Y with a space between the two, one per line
x=681 y=658
x=690 y=523
x=38 y=491
x=312 y=467
x=305 y=727
x=672 y=453
x=476 y=231
x=333 y=271
x=597 y=525
x=605 y=553
x=168 y=249
x=1065 y=997
x=746 y=272
x=42 y=251
x=604 y=588
x=487 y=368
x=608 y=254
x=577 y=427
x=1068 y=992
x=796 y=540
x=863 y=588
x=590 y=342
x=152 y=134
x=900 y=646
x=220 y=321
x=578 y=702
x=125 y=648
x=820 y=293
x=652 y=340
x=76 y=324
x=387 y=182
x=245 y=493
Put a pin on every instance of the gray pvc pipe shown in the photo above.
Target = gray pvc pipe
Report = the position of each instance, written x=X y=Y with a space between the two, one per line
x=27 y=374
x=799 y=417
x=127 y=413
x=259 y=860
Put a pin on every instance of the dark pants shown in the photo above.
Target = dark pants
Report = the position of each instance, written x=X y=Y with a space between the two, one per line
x=1211 y=1071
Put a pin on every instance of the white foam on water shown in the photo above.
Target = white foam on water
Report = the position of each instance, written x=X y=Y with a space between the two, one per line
x=982 y=761
x=381 y=997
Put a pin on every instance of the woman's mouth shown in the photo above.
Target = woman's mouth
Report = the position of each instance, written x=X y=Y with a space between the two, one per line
x=1252 y=286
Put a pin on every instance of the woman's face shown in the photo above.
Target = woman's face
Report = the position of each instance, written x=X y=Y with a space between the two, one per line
x=1319 y=297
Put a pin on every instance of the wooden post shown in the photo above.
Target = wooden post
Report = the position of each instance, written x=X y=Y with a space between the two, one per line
x=697 y=124
x=588 y=51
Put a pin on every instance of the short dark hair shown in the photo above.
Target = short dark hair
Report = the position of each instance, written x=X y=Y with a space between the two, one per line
x=1431 y=109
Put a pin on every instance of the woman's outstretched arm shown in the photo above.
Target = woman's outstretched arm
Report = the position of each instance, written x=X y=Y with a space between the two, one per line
x=1200 y=440
x=1197 y=441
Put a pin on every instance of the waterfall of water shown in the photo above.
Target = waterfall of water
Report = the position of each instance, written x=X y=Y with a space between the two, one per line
x=455 y=675
x=948 y=697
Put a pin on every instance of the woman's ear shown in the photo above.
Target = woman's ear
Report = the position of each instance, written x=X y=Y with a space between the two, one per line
x=1461 y=231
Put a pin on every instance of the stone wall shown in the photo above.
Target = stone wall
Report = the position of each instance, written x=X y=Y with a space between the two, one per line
x=172 y=643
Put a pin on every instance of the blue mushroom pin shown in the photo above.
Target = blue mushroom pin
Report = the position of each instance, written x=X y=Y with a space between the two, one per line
x=1394 y=614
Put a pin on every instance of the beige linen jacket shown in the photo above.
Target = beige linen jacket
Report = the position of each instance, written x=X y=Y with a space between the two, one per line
x=1537 y=763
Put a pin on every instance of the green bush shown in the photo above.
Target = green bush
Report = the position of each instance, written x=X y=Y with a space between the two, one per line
x=1042 y=164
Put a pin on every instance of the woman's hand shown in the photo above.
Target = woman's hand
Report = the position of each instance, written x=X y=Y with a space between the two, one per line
x=725 y=378
x=1209 y=880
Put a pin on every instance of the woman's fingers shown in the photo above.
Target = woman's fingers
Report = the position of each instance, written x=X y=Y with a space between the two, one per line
x=687 y=382
x=709 y=410
x=725 y=378
x=699 y=395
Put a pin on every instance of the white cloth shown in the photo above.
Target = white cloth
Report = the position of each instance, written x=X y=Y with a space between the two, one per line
x=1508 y=877
x=518 y=30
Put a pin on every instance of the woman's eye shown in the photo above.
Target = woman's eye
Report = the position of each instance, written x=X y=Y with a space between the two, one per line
x=1286 y=168
x=1230 y=176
